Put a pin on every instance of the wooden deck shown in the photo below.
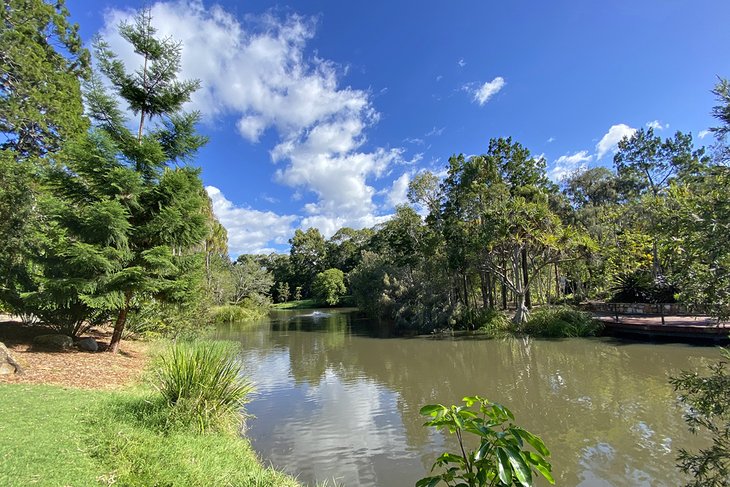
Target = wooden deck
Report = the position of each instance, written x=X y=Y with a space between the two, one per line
x=699 y=328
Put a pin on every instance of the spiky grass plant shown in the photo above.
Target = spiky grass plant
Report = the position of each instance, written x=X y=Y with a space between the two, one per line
x=202 y=385
x=561 y=321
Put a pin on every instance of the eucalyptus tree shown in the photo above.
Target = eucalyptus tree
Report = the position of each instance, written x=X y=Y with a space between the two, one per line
x=251 y=280
x=497 y=209
x=345 y=247
x=307 y=257
x=646 y=165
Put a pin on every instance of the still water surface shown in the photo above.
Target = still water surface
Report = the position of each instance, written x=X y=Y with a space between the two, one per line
x=335 y=401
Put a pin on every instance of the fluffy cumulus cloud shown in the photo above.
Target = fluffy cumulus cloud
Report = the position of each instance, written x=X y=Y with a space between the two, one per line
x=484 y=92
x=398 y=192
x=249 y=230
x=258 y=73
x=703 y=133
x=564 y=165
x=609 y=142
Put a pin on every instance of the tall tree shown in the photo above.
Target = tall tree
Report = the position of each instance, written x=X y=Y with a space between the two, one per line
x=308 y=257
x=41 y=61
x=646 y=165
x=170 y=215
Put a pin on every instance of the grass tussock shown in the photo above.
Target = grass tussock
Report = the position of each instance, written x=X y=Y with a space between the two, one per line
x=233 y=314
x=490 y=321
x=560 y=321
x=201 y=385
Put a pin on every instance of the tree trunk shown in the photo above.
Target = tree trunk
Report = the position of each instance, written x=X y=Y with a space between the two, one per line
x=119 y=324
x=557 y=284
x=520 y=288
x=525 y=279
x=490 y=290
x=504 y=294
x=522 y=313
x=485 y=289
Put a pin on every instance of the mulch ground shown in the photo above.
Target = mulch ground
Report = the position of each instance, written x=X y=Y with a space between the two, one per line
x=73 y=368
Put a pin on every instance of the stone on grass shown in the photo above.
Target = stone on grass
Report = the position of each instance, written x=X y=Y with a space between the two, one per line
x=7 y=364
x=53 y=342
x=87 y=344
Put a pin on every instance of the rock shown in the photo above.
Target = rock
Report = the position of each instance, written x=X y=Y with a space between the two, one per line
x=87 y=344
x=53 y=342
x=7 y=364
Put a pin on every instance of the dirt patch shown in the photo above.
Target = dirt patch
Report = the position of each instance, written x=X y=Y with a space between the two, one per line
x=73 y=368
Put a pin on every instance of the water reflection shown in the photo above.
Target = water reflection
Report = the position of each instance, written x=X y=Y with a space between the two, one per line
x=334 y=402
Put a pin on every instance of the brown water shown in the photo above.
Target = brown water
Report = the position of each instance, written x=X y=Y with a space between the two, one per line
x=335 y=402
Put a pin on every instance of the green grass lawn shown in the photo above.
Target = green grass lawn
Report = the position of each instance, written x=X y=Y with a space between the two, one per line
x=51 y=436
x=43 y=437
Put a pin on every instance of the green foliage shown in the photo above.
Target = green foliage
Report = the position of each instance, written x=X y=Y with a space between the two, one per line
x=21 y=228
x=307 y=258
x=166 y=252
x=708 y=413
x=507 y=454
x=237 y=313
x=560 y=321
x=251 y=280
x=329 y=286
x=282 y=292
x=487 y=320
x=41 y=62
x=155 y=319
x=640 y=287
x=201 y=384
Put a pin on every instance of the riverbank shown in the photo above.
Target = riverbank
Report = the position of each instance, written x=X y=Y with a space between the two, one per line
x=83 y=419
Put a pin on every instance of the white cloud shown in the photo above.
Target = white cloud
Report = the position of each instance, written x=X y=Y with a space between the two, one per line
x=435 y=132
x=414 y=140
x=656 y=125
x=551 y=140
x=567 y=164
x=399 y=190
x=703 y=133
x=250 y=231
x=486 y=91
x=439 y=77
x=461 y=63
x=614 y=135
x=259 y=73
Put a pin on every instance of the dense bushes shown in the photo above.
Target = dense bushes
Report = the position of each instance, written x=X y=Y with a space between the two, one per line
x=232 y=313
x=560 y=321
x=640 y=287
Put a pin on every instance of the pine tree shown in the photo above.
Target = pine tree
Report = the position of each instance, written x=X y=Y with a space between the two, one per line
x=41 y=61
x=167 y=217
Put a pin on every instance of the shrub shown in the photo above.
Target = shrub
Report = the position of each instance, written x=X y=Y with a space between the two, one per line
x=640 y=287
x=502 y=458
x=232 y=314
x=328 y=286
x=202 y=385
x=488 y=320
x=156 y=319
x=708 y=412
x=561 y=321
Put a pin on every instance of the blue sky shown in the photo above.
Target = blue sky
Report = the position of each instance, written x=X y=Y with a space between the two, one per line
x=320 y=112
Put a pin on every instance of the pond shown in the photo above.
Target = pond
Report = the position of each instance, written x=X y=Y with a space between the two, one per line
x=337 y=401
